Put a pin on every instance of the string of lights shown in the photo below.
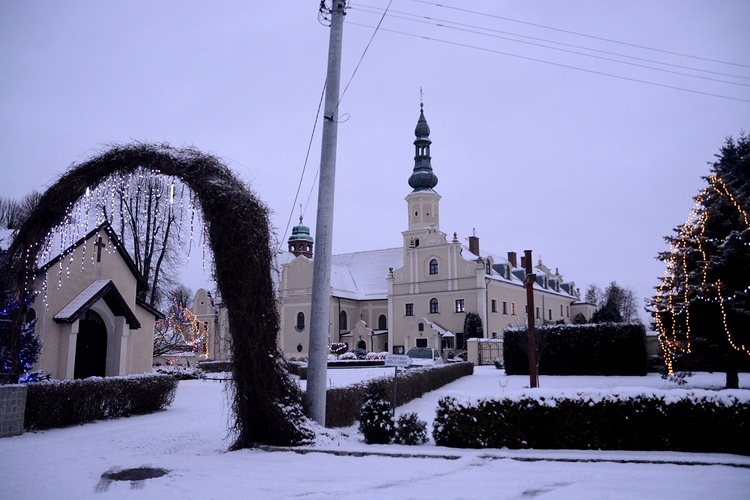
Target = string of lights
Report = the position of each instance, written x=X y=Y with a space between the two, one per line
x=693 y=231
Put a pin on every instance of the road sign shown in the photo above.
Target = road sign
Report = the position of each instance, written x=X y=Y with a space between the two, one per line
x=397 y=360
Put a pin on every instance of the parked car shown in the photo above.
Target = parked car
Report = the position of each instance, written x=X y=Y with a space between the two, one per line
x=424 y=356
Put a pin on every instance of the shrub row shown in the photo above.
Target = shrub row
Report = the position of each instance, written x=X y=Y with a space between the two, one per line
x=61 y=403
x=676 y=420
x=344 y=403
x=215 y=366
x=598 y=349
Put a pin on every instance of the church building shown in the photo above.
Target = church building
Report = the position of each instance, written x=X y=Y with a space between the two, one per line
x=418 y=295
x=88 y=314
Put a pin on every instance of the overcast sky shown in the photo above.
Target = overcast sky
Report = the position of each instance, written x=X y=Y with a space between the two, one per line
x=588 y=160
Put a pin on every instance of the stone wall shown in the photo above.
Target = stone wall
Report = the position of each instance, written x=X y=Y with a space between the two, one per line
x=12 y=407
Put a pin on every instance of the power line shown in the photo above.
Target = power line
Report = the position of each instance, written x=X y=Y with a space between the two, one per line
x=440 y=23
x=304 y=168
x=317 y=116
x=466 y=45
x=593 y=37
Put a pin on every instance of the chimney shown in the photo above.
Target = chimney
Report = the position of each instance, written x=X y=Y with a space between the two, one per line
x=523 y=262
x=474 y=243
x=512 y=259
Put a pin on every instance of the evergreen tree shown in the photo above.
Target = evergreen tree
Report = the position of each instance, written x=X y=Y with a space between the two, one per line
x=702 y=307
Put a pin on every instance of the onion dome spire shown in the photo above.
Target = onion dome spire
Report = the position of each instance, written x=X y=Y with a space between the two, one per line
x=300 y=242
x=422 y=178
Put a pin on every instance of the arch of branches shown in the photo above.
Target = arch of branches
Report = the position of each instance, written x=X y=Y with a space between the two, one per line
x=266 y=402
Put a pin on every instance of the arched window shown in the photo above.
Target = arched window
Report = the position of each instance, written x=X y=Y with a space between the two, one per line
x=382 y=322
x=434 y=309
x=300 y=321
x=342 y=321
x=433 y=266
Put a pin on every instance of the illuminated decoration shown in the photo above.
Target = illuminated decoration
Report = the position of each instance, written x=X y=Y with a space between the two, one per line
x=681 y=288
x=115 y=200
x=182 y=331
x=237 y=226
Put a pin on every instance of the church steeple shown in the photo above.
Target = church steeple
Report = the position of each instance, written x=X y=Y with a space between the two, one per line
x=423 y=202
x=300 y=242
x=422 y=178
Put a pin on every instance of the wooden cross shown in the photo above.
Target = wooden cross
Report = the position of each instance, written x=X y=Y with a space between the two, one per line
x=99 y=245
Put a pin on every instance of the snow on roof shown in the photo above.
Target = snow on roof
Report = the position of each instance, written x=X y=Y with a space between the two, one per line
x=363 y=275
x=99 y=289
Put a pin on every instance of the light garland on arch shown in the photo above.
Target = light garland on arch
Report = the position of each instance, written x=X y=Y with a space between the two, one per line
x=693 y=228
x=104 y=202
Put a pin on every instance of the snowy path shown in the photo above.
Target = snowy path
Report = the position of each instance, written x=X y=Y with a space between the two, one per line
x=189 y=439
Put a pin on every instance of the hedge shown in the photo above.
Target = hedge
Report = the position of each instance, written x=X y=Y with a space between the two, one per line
x=62 y=403
x=344 y=403
x=673 y=420
x=598 y=349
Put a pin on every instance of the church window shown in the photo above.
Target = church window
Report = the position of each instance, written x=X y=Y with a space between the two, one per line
x=537 y=313
x=505 y=307
x=433 y=266
x=299 y=347
x=434 y=309
x=300 y=321
x=421 y=342
x=561 y=310
x=342 y=321
x=513 y=308
x=567 y=311
x=409 y=310
x=382 y=322
x=460 y=305
x=494 y=305
x=420 y=327
x=549 y=314
x=488 y=267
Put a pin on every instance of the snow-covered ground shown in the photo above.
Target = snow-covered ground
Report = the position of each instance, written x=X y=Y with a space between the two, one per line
x=190 y=440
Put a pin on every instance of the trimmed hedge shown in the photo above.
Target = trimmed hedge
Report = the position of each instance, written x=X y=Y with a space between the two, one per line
x=344 y=403
x=598 y=349
x=215 y=366
x=674 y=420
x=62 y=403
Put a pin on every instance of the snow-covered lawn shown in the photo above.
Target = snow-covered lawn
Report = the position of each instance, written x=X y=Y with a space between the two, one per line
x=190 y=440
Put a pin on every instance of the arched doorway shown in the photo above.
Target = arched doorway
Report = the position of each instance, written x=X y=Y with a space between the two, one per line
x=91 y=347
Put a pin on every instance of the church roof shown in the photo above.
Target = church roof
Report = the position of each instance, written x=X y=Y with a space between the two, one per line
x=99 y=289
x=117 y=244
x=363 y=275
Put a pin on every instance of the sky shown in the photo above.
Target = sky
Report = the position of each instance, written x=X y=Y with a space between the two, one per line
x=189 y=440
x=587 y=160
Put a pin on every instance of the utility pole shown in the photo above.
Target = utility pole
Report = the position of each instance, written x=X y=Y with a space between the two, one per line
x=529 y=284
x=317 y=362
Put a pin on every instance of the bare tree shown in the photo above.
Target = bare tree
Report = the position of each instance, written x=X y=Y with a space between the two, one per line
x=14 y=212
x=147 y=216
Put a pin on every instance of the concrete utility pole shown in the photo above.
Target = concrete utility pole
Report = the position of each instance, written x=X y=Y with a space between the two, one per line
x=321 y=287
x=529 y=283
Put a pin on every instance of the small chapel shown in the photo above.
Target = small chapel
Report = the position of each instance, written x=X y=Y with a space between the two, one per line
x=418 y=294
x=89 y=316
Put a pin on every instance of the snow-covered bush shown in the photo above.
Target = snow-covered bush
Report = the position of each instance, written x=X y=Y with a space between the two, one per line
x=181 y=372
x=360 y=353
x=347 y=356
x=410 y=430
x=61 y=403
x=375 y=356
x=376 y=417
x=644 y=419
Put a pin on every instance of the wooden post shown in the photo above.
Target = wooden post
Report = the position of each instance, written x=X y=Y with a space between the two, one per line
x=529 y=283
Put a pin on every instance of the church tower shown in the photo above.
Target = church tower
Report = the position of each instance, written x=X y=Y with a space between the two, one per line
x=423 y=202
x=300 y=242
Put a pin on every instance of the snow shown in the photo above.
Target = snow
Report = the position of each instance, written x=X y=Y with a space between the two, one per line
x=190 y=439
